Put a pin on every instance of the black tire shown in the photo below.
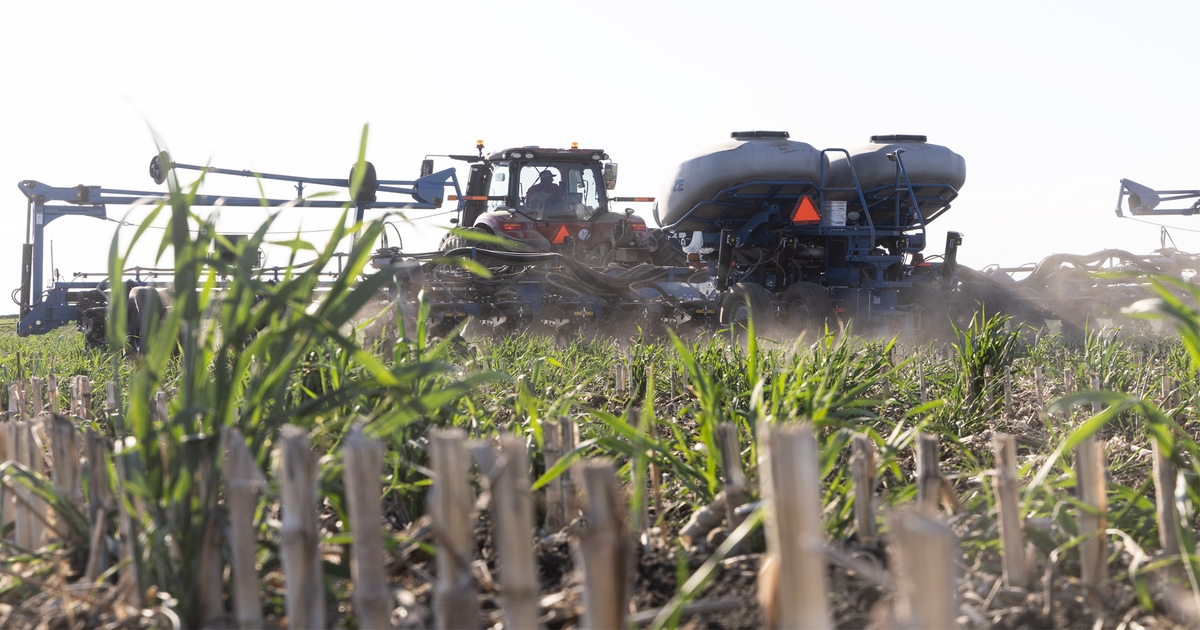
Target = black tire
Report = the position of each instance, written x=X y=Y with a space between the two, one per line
x=748 y=302
x=145 y=306
x=456 y=241
x=809 y=311
x=975 y=298
x=369 y=186
x=664 y=251
x=932 y=314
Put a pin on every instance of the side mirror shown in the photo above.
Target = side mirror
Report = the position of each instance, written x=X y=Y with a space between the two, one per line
x=610 y=176
x=426 y=167
x=454 y=221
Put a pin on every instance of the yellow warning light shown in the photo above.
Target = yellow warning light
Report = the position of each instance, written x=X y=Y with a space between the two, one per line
x=479 y=144
x=574 y=145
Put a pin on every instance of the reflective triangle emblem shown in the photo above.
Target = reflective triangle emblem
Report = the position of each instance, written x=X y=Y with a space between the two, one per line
x=561 y=235
x=806 y=211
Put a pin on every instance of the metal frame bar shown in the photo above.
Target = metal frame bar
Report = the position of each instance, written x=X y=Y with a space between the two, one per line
x=45 y=308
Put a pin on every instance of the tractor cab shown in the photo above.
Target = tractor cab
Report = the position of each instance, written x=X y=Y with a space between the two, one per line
x=554 y=200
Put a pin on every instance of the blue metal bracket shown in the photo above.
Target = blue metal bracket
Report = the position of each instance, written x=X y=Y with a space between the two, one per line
x=764 y=217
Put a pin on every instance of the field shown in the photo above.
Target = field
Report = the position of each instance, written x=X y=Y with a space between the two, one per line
x=685 y=425
x=842 y=387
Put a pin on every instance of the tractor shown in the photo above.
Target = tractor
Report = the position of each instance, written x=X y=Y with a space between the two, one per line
x=537 y=200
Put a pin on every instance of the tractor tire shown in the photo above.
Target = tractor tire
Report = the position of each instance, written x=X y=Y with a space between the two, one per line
x=665 y=252
x=145 y=307
x=456 y=241
x=809 y=311
x=933 y=314
x=975 y=298
x=748 y=303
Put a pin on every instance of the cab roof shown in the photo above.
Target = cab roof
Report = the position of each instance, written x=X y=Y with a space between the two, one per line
x=548 y=153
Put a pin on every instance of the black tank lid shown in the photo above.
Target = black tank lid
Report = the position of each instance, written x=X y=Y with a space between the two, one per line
x=899 y=137
x=738 y=135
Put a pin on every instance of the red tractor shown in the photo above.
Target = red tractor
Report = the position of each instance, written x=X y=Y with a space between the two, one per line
x=548 y=200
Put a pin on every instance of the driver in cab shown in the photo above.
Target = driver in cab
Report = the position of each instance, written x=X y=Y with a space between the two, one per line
x=545 y=192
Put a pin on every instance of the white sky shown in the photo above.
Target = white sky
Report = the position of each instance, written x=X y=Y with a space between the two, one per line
x=1051 y=104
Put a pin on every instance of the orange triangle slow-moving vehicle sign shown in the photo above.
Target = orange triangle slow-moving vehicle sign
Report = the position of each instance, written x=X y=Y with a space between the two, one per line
x=561 y=235
x=806 y=211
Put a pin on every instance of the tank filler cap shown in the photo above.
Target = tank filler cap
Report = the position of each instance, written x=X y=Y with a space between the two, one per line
x=745 y=135
x=899 y=137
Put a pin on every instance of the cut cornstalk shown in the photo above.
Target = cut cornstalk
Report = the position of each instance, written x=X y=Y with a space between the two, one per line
x=795 y=538
x=1038 y=388
x=299 y=533
x=18 y=400
x=922 y=550
x=512 y=509
x=929 y=474
x=52 y=401
x=1090 y=484
x=603 y=549
x=570 y=477
x=553 y=451
x=8 y=498
x=110 y=399
x=363 y=458
x=17 y=509
x=31 y=530
x=989 y=390
x=1092 y=491
x=1008 y=399
x=562 y=500
x=128 y=581
x=81 y=397
x=1164 y=482
x=862 y=464
x=211 y=570
x=451 y=506
x=243 y=481
x=98 y=500
x=1164 y=496
x=36 y=387
x=64 y=450
x=734 y=476
x=1016 y=572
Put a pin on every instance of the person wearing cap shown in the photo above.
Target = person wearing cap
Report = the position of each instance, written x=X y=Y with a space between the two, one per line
x=543 y=191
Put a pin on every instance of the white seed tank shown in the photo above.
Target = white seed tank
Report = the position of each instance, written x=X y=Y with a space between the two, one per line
x=750 y=155
x=925 y=163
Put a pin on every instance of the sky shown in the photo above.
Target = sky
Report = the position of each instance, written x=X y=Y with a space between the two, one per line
x=1051 y=104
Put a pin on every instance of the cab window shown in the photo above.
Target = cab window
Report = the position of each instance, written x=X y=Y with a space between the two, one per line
x=570 y=191
x=499 y=186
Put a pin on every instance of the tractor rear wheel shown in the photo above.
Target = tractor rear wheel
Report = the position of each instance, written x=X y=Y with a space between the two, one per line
x=809 y=311
x=462 y=238
x=747 y=305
